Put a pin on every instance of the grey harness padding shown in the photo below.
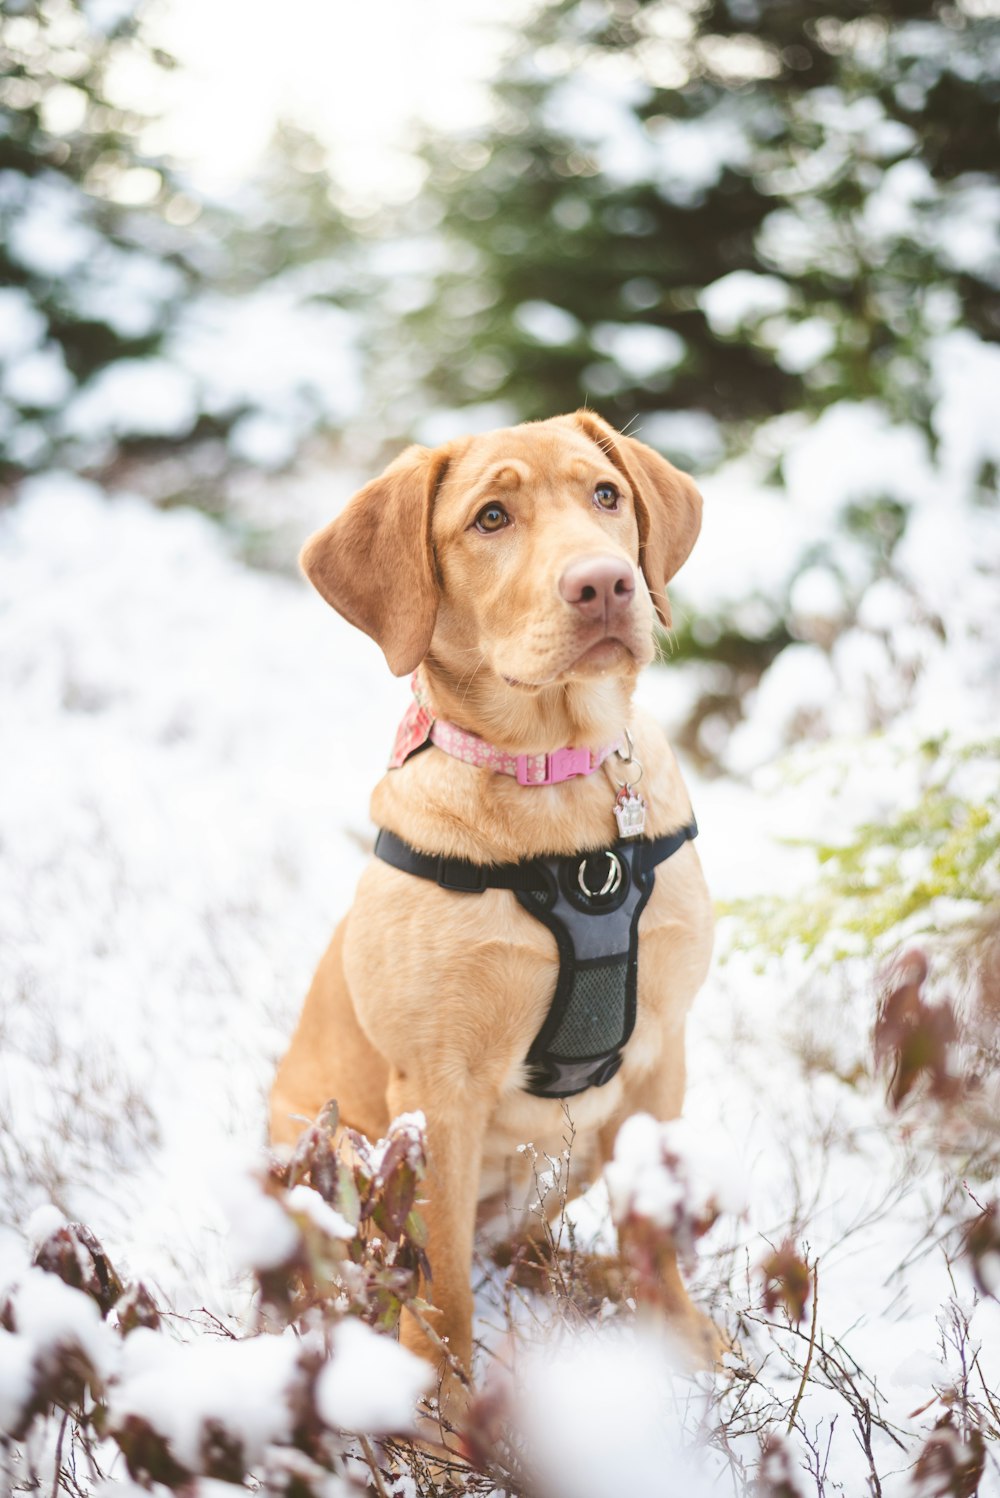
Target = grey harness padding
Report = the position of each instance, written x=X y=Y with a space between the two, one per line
x=591 y=902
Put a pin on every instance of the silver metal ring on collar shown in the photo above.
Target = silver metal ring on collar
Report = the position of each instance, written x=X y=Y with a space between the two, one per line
x=611 y=884
x=628 y=758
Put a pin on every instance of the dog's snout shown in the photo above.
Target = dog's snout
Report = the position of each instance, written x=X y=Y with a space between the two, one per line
x=598 y=586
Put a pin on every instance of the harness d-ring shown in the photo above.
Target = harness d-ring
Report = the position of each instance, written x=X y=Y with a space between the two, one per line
x=611 y=883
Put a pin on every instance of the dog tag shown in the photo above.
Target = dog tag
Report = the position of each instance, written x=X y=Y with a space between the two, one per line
x=630 y=813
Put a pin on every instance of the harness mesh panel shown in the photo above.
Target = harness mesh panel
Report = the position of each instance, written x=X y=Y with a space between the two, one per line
x=594 y=1021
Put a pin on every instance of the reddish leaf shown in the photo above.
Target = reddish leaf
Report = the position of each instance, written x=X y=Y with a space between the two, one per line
x=912 y=1037
x=137 y=1308
x=74 y=1254
x=777 y=1475
x=221 y=1453
x=397 y=1196
x=982 y=1244
x=486 y=1422
x=787 y=1281
x=147 y=1455
x=949 y=1466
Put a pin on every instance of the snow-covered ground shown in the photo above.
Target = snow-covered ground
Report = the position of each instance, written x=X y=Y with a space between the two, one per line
x=188 y=748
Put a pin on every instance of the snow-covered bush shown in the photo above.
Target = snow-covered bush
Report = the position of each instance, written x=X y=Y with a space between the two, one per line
x=666 y=1190
x=334 y=1241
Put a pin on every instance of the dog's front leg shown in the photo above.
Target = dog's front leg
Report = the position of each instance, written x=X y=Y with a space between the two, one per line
x=456 y=1124
x=661 y=1093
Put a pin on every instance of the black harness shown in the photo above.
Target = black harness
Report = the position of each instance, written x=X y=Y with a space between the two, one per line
x=591 y=902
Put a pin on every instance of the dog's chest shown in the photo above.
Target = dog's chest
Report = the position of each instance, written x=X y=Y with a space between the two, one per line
x=462 y=984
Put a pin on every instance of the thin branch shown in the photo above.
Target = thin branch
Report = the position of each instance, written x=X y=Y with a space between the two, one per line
x=366 y=1447
x=58 y=1461
x=809 y=1355
x=441 y=1346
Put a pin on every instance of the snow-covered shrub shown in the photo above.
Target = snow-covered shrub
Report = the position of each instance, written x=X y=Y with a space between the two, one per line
x=666 y=1191
x=335 y=1242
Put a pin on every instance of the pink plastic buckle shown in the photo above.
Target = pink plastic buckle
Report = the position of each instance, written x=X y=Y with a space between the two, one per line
x=561 y=764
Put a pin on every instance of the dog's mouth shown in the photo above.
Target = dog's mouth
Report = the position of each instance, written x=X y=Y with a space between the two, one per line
x=601 y=655
x=599 y=658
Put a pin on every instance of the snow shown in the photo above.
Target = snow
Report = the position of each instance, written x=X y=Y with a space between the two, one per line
x=309 y=1202
x=547 y=323
x=803 y=344
x=371 y=1384
x=17 y=1360
x=48 y=237
x=43 y=1222
x=38 y=379
x=263 y=1234
x=280 y=350
x=50 y=1315
x=805 y=550
x=666 y=1173
x=167 y=867
x=691 y=155
x=262 y=441
x=599 y=1411
x=599 y=112
x=246 y=1385
x=148 y=396
x=741 y=297
x=817 y=593
x=22 y=326
x=128 y=290
x=689 y=438
x=639 y=348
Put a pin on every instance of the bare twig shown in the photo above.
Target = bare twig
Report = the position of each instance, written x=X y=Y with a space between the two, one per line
x=58 y=1457
x=441 y=1345
x=366 y=1447
x=809 y=1355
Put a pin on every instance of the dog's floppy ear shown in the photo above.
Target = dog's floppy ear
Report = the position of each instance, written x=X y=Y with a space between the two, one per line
x=375 y=563
x=667 y=504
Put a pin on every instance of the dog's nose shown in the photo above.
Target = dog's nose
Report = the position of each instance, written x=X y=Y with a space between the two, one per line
x=598 y=586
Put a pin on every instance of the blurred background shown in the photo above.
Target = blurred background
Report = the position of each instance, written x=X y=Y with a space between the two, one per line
x=247 y=252
x=246 y=257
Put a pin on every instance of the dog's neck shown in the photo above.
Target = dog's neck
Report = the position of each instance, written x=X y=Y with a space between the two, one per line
x=583 y=714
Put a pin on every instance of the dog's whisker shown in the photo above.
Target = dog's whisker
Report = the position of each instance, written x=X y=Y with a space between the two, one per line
x=475 y=672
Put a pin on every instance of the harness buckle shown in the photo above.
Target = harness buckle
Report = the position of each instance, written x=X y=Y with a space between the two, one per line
x=461 y=877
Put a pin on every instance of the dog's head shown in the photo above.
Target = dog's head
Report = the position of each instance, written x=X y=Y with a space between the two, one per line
x=542 y=550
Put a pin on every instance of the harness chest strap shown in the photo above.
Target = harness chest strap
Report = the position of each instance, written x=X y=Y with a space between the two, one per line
x=591 y=902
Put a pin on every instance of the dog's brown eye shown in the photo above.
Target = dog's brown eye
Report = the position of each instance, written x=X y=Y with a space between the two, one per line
x=492 y=518
x=606 y=495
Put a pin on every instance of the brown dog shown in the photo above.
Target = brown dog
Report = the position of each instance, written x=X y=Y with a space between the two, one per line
x=523 y=572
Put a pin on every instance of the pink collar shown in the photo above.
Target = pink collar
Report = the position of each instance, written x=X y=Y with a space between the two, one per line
x=420 y=727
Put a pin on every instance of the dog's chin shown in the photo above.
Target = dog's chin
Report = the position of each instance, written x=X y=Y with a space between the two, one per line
x=606 y=657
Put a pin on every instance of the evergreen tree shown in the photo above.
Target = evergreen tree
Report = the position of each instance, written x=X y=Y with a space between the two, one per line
x=646 y=150
x=95 y=257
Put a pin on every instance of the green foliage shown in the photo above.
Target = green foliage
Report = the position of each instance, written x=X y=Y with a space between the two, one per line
x=930 y=869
